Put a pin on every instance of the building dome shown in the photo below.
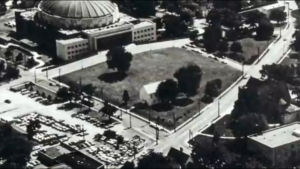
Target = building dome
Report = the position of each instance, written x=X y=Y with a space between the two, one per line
x=78 y=13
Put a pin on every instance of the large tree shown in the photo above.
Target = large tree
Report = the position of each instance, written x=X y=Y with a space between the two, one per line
x=174 y=26
x=250 y=124
x=155 y=160
x=223 y=47
x=108 y=110
x=64 y=94
x=32 y=128
x=278 y=15
x=118 y=58
x=188 y=78
x=125 y=97
x=167 y=91
x=144 y=8
x=211 y=37
x=15 y=149
x=236 y=47
x=265 y=29
x=12 y=72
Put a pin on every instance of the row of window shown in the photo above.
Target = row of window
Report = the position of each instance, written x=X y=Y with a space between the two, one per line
x=77 y=51
x=146 y=35
x=145 y=30
x=145 y=40
x=76 y=46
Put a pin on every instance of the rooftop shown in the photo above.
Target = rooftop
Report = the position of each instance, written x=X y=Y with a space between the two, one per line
x=278 y=136
x=54 y=152
x=179 y=156
x=60 y=166
x=73 y=40
x=115 y=25
x=151 y=87
x=79 y=160
x=29 y=14
x=292 y=108
x=143 y=24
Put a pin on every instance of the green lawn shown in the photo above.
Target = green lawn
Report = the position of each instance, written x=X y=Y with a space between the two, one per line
x=251 y=47
x=155 y=66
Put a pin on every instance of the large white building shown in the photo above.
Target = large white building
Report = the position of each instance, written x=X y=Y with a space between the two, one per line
x=95 y=25
x=277 y=144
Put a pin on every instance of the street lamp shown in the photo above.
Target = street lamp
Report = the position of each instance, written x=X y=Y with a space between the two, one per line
x=218 y=108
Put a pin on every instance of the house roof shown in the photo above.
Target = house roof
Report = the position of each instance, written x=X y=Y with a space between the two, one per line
x=179 y=156
x=292 y=108
x=151 y=87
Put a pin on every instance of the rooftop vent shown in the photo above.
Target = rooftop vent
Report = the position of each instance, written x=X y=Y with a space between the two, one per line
x=296 y=132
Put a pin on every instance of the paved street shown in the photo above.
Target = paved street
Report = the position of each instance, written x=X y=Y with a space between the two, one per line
x=179 y=138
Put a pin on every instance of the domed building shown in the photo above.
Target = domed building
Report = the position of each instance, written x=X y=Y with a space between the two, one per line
x=80 y=14
x=72 y=29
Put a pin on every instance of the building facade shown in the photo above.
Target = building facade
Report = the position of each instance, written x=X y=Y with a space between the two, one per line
x=144 y=32
x=278 y=144
x=59 y=26
x=147 y=93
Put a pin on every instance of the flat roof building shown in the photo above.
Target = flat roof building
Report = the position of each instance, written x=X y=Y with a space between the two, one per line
x=277 y=144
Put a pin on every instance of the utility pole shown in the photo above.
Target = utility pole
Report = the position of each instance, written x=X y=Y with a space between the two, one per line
x=157 y=133
x=129 y=118
x=82 y=132
x=35 y=75
x=218 y=108
x=102 y=96
x=174 y=121
x=59 y=73
x=148 y=113
x=242 y=67
x=47 y=72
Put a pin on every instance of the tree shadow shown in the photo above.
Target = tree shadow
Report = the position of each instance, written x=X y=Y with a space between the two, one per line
x=112 y=77
x=182 y=102
x=69 y=106
x=162 y=107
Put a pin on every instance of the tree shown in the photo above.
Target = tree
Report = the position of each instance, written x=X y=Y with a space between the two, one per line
x=156 y=160
x=64 y=94
x=109 y=134
x=49 y=98
x=223 y=47
x=213 y=17
x=278 y=15
x=89 y=89
x=211 y=37
x=108 y=109
x=144 y=8
x=167 y=91
x=174 y=26
x=187 y=16
x=265 y=29
x=212 y=88
x=11 y=72
x=128 y=165
x=250 y=124
x=8 y=54
x=19 y=57
x=30 y=62
x=15 y=150
x=188 y=78
x=254 y=17
x=120 y=140
x=118 y=58
x=32 y=128
x=2 y=66
x=125 y=97
x=236 y=47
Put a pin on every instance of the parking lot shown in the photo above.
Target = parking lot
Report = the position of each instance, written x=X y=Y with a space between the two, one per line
x=70 y=127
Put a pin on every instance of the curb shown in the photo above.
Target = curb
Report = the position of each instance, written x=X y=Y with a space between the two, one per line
x=266 y=50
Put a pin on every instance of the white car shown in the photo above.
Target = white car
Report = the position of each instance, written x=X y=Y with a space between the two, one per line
x=246 y=76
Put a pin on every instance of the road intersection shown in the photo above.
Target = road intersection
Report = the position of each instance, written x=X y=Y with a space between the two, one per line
x=181 y=136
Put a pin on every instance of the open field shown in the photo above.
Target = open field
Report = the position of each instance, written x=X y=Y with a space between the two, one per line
x=251 y=49
x=155 y=66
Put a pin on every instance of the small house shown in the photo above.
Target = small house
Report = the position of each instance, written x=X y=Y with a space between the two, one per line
x=147 y=93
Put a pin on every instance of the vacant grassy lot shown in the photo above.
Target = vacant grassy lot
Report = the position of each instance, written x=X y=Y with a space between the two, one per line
x=155 y=66
x=251 y=49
